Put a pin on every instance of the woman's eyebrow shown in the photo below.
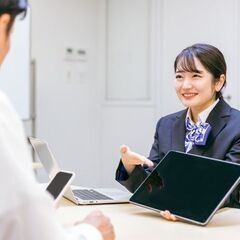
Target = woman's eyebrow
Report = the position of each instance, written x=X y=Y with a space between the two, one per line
x=198 y=71
x=195 y=71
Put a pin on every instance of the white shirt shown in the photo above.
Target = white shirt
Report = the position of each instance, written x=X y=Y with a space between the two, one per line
x=26 y=210
x=202 y=117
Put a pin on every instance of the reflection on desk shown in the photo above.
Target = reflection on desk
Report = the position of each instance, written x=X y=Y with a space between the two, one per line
x=133 y=222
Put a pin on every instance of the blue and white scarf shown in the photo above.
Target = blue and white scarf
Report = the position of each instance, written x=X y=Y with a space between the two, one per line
x=197 y=134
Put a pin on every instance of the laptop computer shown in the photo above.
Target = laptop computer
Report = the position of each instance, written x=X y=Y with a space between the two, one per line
x=77 y=194
x=191 y=187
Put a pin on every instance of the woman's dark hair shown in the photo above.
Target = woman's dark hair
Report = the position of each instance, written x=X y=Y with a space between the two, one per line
x=13 y=8
x=209 y=56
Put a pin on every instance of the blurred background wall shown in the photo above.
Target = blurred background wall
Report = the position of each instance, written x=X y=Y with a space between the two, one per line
x=104 y=73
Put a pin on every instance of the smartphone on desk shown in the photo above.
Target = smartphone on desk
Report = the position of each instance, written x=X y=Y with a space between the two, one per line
x=59 y=184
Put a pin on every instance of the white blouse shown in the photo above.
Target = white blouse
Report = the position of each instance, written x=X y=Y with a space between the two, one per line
x=26 y=210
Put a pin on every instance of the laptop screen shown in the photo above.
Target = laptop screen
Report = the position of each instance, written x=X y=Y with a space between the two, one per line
x=189 y=186
x=45 y=156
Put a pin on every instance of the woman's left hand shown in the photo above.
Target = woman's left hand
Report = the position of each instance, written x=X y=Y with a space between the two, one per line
x=167 y=215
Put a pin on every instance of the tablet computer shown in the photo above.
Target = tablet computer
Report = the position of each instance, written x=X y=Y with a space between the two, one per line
x=59 y=184
x=191 y=187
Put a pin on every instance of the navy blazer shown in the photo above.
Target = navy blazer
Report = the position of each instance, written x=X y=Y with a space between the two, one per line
x=223 y=143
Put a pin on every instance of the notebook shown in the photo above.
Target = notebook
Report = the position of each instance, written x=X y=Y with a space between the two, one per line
x=77 y=194
x=191 y=187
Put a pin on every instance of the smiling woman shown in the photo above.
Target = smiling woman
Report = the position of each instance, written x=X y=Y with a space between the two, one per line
x=31 y=214
x=208 y=126
x=200 y=76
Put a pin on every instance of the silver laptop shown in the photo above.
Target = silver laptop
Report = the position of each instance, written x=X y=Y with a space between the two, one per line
x=77 y=194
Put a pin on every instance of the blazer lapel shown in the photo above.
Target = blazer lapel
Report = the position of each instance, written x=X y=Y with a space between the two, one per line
x=178 y=134
x=218 y=119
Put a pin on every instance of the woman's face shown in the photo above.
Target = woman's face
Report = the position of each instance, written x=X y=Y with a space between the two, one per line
x=196 y=90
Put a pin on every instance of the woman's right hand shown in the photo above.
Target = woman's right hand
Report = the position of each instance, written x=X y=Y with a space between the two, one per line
x=131 y=159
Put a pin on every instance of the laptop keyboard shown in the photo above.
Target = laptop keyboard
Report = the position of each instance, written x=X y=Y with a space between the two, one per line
x=90 y=194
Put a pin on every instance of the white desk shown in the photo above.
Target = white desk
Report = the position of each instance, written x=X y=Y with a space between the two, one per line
x=135 y=223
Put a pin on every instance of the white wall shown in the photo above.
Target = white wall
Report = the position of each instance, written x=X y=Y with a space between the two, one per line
x=186 y=22
x=66 y=109
x=128 y=94
x=85 y=118
x=172 y=25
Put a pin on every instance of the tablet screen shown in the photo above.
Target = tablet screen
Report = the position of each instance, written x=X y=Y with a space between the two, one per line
x=59 y=183
x=189 y=186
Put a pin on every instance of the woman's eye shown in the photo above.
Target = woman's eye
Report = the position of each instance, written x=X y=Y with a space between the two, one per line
x=196 y=76
x=179 y=77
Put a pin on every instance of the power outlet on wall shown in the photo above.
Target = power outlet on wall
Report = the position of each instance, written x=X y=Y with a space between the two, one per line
x=69 y=54
x=75 y=55
x=75 y=65
x=81 y=55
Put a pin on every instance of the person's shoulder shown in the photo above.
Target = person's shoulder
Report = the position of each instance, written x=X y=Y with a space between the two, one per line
x=231 y=110
x=235 y=113
x=9 y=118
x=175 y=114
x=233 y=121
x=4 y=98
x=5 y=103
x=171 y=117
